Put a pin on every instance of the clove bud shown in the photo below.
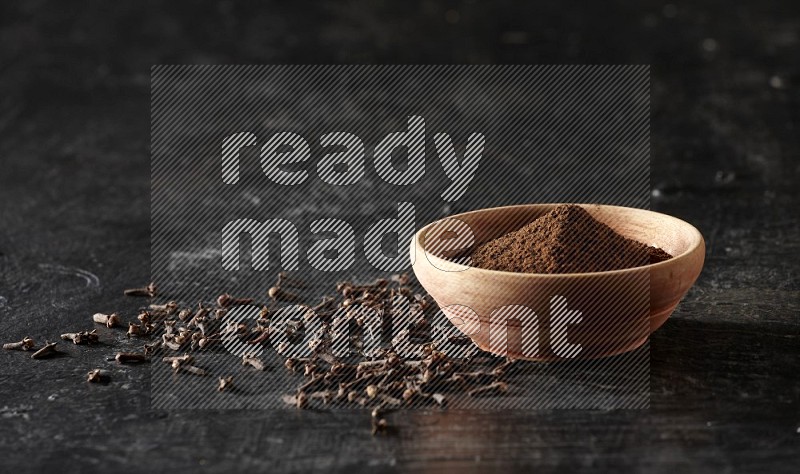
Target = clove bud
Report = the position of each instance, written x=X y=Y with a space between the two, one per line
x=279 y=294
x=225 y=300
x=126 y=357
x=284 y=277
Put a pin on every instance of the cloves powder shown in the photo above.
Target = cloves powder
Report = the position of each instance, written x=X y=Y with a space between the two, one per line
x=565 y=240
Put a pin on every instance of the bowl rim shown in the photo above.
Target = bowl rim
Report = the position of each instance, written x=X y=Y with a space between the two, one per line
x=698 y=242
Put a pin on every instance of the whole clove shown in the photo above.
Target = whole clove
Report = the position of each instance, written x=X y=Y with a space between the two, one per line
x=144 y=317
x=225 y=300
x=172 y=345
x=178 y=360
x=191 y=369
x=316 y=383
x=184 y=364
x=97 y=375
x=289 y=399
x=169 y=327
x=135 y=330
x=379 y=423
x=477 y=377
x=185 y=314
x=284 y=278
x=225 y=383
x=309 y=369
x=279 y=294
x=259 y=335
x=48 y=350
x=166 y=309
x=149 y=291
x=25 y=344
x=293 y=364
x=439 y=399
x=388 y=400
x=129 y=357
x=205 y=341
x=401 y=279
x=110 y=320
x=83 y=337
x=150 y=349
x=301 y=400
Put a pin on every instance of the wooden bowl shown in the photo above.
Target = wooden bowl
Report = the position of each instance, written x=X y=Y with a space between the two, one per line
x=552 y=317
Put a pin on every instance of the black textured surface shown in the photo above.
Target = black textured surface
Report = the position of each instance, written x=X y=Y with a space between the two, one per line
x=74 y=231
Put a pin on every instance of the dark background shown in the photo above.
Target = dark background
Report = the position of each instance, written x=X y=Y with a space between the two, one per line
x=74 y=230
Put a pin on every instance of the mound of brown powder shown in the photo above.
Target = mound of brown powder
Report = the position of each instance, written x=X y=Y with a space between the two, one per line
x=565 y=240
